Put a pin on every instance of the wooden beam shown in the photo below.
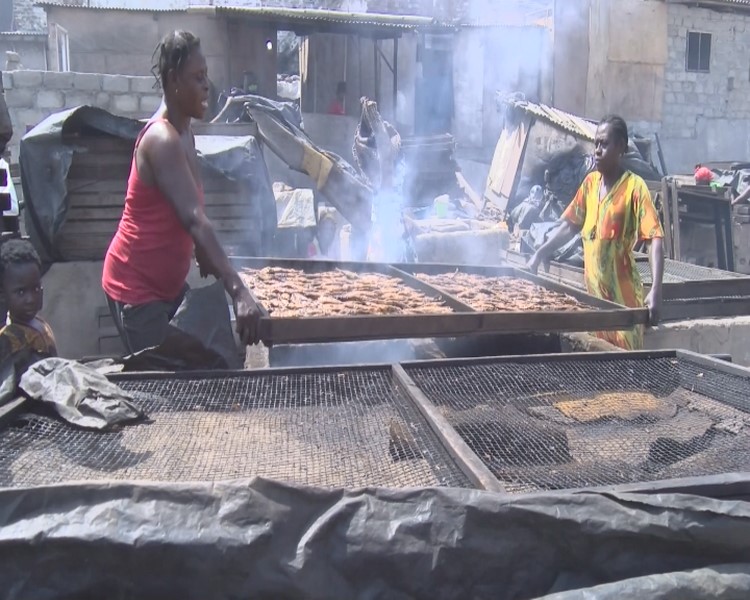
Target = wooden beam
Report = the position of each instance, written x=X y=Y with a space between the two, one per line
x=465 y=458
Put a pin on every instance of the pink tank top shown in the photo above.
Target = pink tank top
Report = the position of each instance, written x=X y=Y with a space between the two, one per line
x=150 y=255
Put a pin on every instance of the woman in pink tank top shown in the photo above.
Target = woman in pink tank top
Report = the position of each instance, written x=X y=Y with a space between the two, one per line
x=163 y=222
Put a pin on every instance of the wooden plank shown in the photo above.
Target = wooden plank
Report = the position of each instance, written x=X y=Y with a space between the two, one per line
x=84 y=228
x=85 y=166
x=660 y=154
x=667 y=221
x=707 y=288
x=75 y=250
x=119 y=185
x=96 y=186
x=506 y=163
x=119 y=172
x=113 y=213
x=11 y=409
x=69 y=242
x=94 y=213
x=675 y=213
x=572 y=357
x=213 y=182
x=718 y=364
x=365 y=327
x=88 y=199
x=97 y=240
x=79 y=200
x=97 y=159
x=476 y=200
x=684 y=309
x=465 y=458
x=101 y=144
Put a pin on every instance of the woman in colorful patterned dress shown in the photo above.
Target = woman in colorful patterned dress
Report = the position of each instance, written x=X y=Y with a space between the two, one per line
x=613 y=210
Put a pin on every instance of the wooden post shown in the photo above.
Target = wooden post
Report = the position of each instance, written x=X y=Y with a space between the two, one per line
x=465 y=458
x=675 y=205
x=665 y=206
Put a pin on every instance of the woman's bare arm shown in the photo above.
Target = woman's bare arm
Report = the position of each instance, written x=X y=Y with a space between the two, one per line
x=165 y=154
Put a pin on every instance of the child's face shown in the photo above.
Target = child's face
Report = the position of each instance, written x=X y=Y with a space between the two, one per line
x=22 y=286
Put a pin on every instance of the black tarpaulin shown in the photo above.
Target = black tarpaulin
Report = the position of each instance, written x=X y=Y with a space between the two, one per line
x=262 y=539
x=79 y=394
x=47 y=152
x=199 y=336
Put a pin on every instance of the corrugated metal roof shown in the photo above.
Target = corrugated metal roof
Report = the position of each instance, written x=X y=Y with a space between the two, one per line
x=125 y=5
x=308 y=16
x=291 y=16
x=22 y=34
x=297 y=16
x=578 y=126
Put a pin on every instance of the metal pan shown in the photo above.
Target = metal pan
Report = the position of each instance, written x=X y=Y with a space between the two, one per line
x=463 y=322
x=602 y=316
x=288 y=330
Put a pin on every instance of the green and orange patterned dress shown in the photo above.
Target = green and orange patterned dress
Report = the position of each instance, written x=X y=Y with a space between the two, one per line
x=609 y=230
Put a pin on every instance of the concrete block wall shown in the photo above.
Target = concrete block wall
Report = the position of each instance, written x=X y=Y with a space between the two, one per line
x=706 y=116
x=32 y=96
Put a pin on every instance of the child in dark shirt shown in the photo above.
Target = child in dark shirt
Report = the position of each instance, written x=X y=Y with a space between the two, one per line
x=27 y=338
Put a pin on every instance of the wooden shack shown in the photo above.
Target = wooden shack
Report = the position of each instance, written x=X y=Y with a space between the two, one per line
x=96 y=186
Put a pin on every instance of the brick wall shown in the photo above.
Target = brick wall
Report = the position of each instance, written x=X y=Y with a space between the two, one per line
x=706 y=116
x=34 y=95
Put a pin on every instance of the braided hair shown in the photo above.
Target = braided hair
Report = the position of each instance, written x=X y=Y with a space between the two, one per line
x=618 y=127
x=171 y=54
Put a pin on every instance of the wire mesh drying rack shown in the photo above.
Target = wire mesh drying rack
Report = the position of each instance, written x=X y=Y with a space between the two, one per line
x=513 y=424
x=689 y=291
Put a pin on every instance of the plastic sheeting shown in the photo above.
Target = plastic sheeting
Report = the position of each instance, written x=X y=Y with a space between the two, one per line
x=199 y=336
x=299 y=208
x=268 y=540
x=79 y=394
x=571 y=253
x=47 y=153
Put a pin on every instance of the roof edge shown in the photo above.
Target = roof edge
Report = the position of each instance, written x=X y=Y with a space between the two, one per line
x=62 y=4
x=333 y=16
x=22 y=34
x=720 y=5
